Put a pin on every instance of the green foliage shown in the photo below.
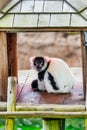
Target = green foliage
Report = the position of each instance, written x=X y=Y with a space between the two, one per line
x=75 y=124
x=36 y=124
x=28 y=124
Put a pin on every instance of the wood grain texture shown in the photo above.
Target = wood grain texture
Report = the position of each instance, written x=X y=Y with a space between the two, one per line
x=12 y=54
x=3 y=66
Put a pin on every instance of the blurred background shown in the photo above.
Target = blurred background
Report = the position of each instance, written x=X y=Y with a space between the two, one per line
x=65 y=45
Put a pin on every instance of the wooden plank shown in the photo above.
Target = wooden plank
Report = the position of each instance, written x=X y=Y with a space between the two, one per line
x=44 y=20
x=16 y=9
x=78 y=21
x=53 y=6
x=10 y=5
x=28 y=20
x=38 y=6
x=12 y=54
x=27 y=6
x=11 y=101
x=60 y=20
x=7 y=21
x=3 y=66
x=79 y=5
x=68 y=8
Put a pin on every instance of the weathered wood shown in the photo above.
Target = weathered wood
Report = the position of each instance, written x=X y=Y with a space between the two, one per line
x=84 y=65
x=43 y=114
x=44 y=107
x=11 y=101
x=51 y=124
x=3 y=66
x=49 y=107
x=12 y=54
x=41 y=29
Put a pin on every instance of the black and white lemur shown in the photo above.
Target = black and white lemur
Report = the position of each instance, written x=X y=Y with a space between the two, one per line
x=54 y=75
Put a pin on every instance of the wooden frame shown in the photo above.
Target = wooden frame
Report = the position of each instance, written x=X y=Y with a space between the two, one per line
x=47 y=112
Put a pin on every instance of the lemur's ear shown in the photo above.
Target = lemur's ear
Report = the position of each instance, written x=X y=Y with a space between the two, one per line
x=47 y=59
x=31 y=59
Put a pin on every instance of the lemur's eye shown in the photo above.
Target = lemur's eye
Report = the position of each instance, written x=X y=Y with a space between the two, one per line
x=41 y=63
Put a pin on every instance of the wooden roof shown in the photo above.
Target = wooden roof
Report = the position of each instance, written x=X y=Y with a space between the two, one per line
x=24 y=15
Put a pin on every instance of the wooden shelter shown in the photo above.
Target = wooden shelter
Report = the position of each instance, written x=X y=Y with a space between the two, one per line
x=45 y=16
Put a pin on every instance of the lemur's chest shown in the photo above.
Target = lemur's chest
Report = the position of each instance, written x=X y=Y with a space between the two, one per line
x=41 y=76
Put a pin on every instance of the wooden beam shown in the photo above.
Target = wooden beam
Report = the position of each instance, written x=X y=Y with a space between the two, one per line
x=3 y=66
x=44 y=107
x=42 y=29
x=12 y=54
x=42 y=114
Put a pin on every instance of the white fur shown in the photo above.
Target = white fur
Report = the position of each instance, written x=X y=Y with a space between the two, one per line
x=41 y=85
x=62 y=76
x=61 y=73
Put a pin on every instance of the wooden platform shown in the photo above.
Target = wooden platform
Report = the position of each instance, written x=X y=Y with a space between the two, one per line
x=25 y=94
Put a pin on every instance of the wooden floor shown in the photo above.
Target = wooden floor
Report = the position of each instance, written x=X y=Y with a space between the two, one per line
x=25 y=94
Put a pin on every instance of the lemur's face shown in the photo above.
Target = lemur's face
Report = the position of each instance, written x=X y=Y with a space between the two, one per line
x=39 y=63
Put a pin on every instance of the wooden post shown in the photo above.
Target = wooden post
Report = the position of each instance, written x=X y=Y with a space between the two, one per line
x=84 y=62
x=12 y=54
x=3 y=66
x=11 y=101
x=52 y=124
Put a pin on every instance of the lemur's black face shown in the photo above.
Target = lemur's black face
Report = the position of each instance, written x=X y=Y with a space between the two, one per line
x=39 y=63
